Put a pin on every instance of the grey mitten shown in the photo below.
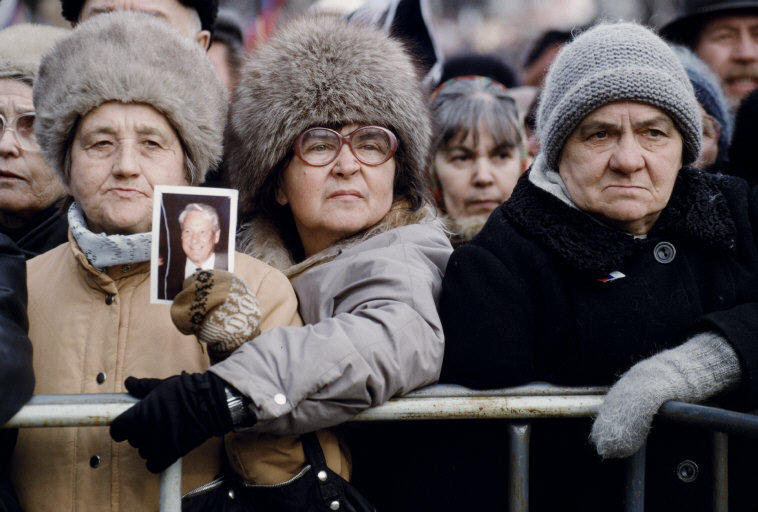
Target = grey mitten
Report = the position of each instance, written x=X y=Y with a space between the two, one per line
x=691 y=372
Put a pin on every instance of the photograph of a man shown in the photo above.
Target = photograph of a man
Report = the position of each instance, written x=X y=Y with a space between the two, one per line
x=201 y=232
x=191 y=232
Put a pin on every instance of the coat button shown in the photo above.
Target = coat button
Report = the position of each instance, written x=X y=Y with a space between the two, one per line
x=231 y=494
x=664 y=252
x=321 y=475
x=94 y=461
x=687 y=471
x=335 y=505
x=280 y=399
x=109 y=299
x=100 y=378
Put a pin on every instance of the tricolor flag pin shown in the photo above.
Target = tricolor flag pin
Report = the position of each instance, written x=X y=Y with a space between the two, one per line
x=612 y=276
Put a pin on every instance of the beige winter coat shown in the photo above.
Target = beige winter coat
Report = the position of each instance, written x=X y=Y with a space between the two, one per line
x=90 y=330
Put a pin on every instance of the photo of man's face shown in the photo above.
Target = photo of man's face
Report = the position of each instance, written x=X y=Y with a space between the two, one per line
x=193 y=230
x=199 y=235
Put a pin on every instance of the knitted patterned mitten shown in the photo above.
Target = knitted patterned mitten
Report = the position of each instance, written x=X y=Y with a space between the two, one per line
x=219 y=308
x=691 y=372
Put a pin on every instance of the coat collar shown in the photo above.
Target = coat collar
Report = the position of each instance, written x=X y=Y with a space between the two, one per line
x=697 y=211
x=260 y=239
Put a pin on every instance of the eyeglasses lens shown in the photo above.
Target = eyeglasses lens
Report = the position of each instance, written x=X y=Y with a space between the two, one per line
x=24 y=128
x=319 y=147
x=371 y=146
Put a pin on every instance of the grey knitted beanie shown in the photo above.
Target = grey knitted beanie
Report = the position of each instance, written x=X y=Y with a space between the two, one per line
x=22 y=46
x=615 y=62
x=130 y=57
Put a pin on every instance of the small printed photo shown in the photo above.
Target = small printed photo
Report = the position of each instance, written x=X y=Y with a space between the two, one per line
x=193 y=229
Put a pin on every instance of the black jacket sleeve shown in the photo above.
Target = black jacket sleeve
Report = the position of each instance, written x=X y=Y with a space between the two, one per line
x=488 y=320
x=739 y=324
x=16 y=374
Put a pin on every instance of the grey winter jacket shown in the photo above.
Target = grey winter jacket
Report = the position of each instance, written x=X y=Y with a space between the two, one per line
x=372 y=332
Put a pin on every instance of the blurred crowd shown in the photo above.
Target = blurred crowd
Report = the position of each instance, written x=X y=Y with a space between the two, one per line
x=486 y=194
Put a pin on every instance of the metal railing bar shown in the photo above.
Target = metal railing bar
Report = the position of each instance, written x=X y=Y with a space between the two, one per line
x=720 y=472
x=634 y=487
x=86 y=398
x=518 y=485
x=91 y=410
x=171 y=488
x=534 y=389
x=711 y=418
x=512 y=407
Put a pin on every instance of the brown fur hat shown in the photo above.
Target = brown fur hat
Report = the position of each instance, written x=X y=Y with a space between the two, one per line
x=130 y=57
x=320 y=71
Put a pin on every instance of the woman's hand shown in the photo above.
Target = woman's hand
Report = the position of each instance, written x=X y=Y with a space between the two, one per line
x=219 y=308
x=691 y=372
x=174 y=416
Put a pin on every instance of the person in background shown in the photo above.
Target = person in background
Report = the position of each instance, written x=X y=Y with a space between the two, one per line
x=477 y=64
x=541 y=55
x=613 y=263
x=724 y=34
x=125 y=103
x=192 y=18
x=742 y=150
x=714 y=107
x=225 y=51
x=329 y=155
x=30 y=191
x=16 y=374
x=479 y=151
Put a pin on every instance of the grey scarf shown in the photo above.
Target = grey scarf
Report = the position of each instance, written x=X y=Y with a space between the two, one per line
x=103 y=250
x=549 y=181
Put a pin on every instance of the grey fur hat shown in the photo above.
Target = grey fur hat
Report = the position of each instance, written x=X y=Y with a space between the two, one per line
x=130 y=57
x=615 y=62
x=321 y=71
x=22 y=46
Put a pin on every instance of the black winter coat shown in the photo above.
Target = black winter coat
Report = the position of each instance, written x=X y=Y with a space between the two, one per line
x=525 y=301
x=47 y=230
x=16 y=375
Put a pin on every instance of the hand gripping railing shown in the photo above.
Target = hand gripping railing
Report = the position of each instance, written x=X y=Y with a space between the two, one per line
x=442 y=402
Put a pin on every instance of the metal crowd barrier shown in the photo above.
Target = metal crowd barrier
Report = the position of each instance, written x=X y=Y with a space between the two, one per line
x=444 y=402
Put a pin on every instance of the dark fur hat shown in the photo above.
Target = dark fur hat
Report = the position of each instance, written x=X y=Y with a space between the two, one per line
x=206 y=9
x=130 y=57
x=321 y=71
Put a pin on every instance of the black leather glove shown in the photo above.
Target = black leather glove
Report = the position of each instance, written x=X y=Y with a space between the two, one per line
x=174 y=416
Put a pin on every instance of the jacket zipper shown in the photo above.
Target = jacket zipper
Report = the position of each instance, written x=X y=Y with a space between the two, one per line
x=280 y=484
x=205 y=487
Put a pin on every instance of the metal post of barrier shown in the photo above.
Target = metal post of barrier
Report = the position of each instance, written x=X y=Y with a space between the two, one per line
x=171 y=488
x=634 y=488
x=720 y=472
x=518 y=496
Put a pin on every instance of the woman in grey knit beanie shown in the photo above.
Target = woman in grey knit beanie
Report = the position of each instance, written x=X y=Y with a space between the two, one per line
x=625 y=261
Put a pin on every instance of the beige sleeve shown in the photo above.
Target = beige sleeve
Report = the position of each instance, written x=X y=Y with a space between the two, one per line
x=278 y=301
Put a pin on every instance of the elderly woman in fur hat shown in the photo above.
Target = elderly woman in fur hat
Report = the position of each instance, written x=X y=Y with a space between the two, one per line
x=29 y=188
x=329 y=156
x=118 y=114
x=614 y=262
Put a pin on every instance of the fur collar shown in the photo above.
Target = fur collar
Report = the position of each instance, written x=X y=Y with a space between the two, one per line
x=463 y=229
x=261 y=239
x=697 y=211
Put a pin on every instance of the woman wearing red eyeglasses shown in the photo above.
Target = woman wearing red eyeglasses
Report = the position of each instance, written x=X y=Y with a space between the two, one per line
x=328 y=147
